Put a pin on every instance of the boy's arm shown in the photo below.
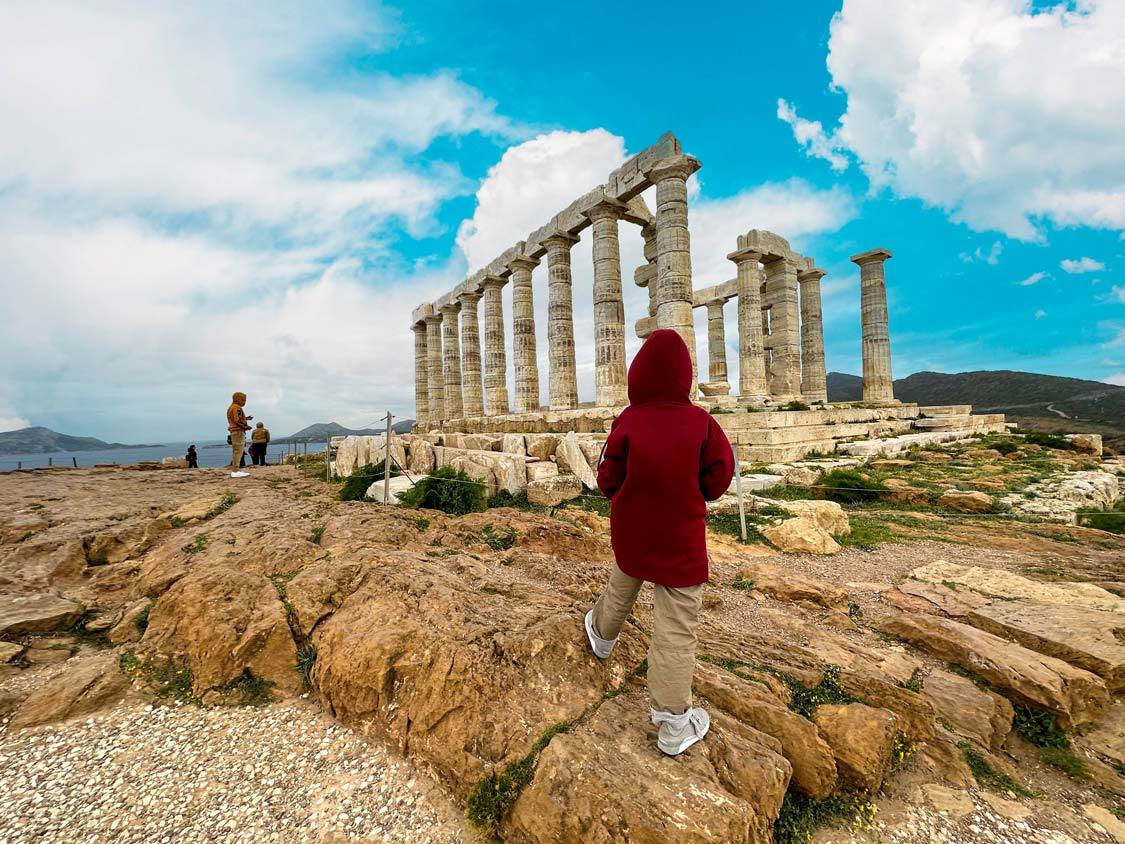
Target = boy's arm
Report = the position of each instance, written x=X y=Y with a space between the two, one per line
x=716 y=463
x=611 y=468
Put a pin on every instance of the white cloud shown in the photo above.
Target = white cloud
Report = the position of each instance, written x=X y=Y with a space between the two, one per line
x=1039 y=314
x=811 y=136
x=194 y=199
x=1117 y=292
x=1081 y=265
x=538 y=178
x=1118 y=379
x=1034 y=278
x=1118 y=335
x=1001 y=114
x=13 y=423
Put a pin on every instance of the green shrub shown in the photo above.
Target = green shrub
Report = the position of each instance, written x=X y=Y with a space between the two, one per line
x=197 y=545
x=492 y=797
x=248 y=690
x=866 y=533
x=306 y=658
x=805 y=701
x=356 y=485
x=500 y=540
x=1065 y=761
x=1005 y=446
x=317 y=534
x=1039 y=727
x=795 y=405
x=448 y=490
x=848 y=486
x=1056 y=441
x=141 y=621
x=1112 y=521
x=505 y=499
x=986 y=775
x=801 y=816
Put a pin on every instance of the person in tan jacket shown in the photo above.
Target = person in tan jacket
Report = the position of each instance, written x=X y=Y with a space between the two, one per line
x=238 y=423
x=259 y=439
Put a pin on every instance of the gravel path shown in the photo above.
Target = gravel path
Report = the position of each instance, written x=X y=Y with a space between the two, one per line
x=281 y=773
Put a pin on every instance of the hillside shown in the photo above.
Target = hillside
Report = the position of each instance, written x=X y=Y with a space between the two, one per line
x=39 y=440
x=319 y=431
x=1025 y=394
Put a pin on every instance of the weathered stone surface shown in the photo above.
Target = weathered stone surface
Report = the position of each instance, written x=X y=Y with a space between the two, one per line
x=607 y=781
x=828 y=515
x=862 y=739
x=553 y=491
x=1090 y=639
x=126 y=629
x=1003 y=584
x=542 y=445
x=570 y=458
x=1106 y=735
x=422 y=457
x=983 y=716
x=800 y=535
x=902 y=491
x=950 y=801
x=1086 y=443
x=1074 y=695
x=1009 y=809
x=1106 y=820
x=794 y=475
x=36 y=613
x=224 y=622
x=591 y=450
x=953 y=600
x=16 y=527
x=513 y=444
x=965 y=502
x=319 y=590
x=542 y=469
x=814 y=766
x=788 y=585
x=388 y=494
x=498 y=470
x=9 y=651
x=91 y=684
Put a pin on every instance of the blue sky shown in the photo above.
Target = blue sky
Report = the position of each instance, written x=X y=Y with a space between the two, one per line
x=196 y=200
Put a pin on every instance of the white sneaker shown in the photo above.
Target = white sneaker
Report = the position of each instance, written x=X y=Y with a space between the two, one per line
x=602 y=648
x=679 y=732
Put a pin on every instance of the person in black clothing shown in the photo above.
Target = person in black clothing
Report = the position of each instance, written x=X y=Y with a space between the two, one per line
x=192 y=458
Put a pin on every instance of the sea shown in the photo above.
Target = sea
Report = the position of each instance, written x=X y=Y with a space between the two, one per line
x=211 y=455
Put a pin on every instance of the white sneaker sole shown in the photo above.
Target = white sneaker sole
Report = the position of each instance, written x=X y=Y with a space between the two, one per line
x=676 y=750
x=597 y=643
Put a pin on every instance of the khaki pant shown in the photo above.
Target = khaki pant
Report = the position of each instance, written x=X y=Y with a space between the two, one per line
x=671 y=653
x=237 y=442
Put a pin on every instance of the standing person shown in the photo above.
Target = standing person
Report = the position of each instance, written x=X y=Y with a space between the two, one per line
x=259 y=439
x=237 y=425
x=192 y=457
x=664 y=459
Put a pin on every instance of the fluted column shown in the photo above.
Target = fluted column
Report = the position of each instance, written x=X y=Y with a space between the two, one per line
x=878 y=384
x=781 y=296
x=673 y=249
x=563 y=377
x=814 y=379
x=523 y=336
x=451 y=353
x=752 y=384
x=716 y=343
x=610 y=378
x=495 y=358
x=421 y=375
x=471 y=393
x=436 y=373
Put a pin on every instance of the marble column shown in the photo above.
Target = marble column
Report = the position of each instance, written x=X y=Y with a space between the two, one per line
x=878 y=384
x=451 y=354
x=437 y=376
x=523 y=335
x=673 y=249
x=717 y=343
x=814 y=379
x=495 y=358
x=421 y=376
x=785 y=344
x=563 y=378
x=471 y=392
x=610 y=378
x=752 y=384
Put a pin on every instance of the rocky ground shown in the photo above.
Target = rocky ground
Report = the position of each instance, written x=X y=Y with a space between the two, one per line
x=195 y=657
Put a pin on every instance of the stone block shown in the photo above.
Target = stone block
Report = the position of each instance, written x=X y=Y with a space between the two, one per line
x=541 y=469
x=542 y=445
x=569 y=456
x=513 y=444
x=553 y=491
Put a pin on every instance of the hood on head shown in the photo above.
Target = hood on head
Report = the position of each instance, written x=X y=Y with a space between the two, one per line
x=260 y=425
x=239 y=399
x=661 y=371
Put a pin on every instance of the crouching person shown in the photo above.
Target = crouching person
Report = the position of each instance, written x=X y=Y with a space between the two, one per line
x=664 y=459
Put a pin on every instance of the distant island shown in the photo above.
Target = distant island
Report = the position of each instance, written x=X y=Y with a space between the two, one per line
x=318 y=432
x=39 y=440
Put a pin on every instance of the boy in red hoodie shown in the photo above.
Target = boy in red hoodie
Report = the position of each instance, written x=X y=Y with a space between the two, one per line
x=664 y=459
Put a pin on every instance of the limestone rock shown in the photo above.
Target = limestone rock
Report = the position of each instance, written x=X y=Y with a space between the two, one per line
x=36 y=613
x=174 y=462
x=513 y=444
x=1009 y=809
x=421 y=460
x=607 y=778
x=1074 y=695
x=952 y=600
x=950 y=801
x=814 y=767
x=800 y=535
x=1106 y=820
x=395 y=486
x=965 y=502
x=828 y=515
x=1106 y=735
x=9 y=651
x=224 y=622
x=592 y=451
x=497 y=470
x=981 y=715
x=541 y=469
x=542 y=445
x=794 y=475
x=1004 y=584
x=1086 y=443
x=553 y=491
x=126 y=630
x=787 y=585
x=862 y=738
x=319 y=590
x=88 y=686
x=904 y=493
x=481 y=442
x=570 y=458
x=16 y=527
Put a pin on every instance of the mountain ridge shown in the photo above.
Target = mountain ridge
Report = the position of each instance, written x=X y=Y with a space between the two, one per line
x=40 y=440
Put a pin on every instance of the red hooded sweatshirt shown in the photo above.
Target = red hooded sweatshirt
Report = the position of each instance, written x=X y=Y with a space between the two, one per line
x=664 y=459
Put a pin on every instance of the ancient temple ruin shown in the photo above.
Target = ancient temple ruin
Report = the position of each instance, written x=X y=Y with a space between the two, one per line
x=779 y=328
